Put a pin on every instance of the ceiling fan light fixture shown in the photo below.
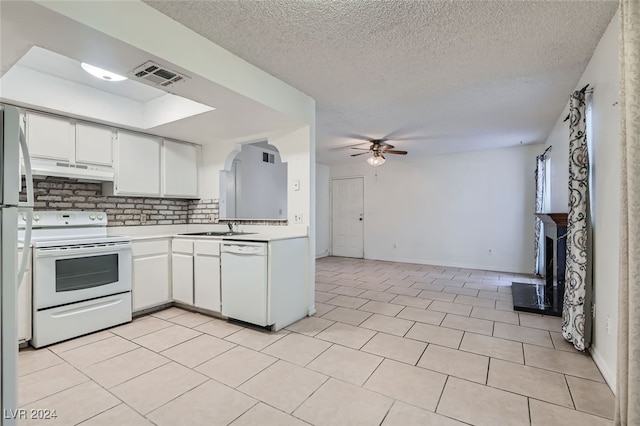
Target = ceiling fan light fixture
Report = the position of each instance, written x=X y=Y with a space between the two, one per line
x=100 y=73
x=376 y=160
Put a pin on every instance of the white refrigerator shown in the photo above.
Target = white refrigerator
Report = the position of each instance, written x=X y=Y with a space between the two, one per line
x=11 y=268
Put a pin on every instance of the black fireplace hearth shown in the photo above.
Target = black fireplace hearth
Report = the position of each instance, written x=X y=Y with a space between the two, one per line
x=546 y=298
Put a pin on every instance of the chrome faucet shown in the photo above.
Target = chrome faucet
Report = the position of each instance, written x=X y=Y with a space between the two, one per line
x=231 y=225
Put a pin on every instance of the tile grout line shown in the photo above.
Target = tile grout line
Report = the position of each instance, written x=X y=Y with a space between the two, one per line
x=383 y=358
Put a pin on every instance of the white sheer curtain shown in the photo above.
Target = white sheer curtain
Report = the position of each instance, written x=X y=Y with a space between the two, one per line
x=541 y=174
x=628 y=377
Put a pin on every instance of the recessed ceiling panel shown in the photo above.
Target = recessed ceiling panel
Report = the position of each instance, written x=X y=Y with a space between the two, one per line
x=58 y=65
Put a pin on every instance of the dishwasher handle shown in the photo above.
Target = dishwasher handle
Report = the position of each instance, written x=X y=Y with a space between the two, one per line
x=257 y=250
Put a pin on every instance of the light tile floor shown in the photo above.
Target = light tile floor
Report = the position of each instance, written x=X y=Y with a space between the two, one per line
x=391 y=344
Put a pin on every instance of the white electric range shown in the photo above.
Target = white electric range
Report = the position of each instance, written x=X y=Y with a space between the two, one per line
x=81 y=275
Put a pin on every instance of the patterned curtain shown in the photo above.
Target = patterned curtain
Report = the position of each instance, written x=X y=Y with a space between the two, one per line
x=576 y=318
x=628 y=377
x=537 y=241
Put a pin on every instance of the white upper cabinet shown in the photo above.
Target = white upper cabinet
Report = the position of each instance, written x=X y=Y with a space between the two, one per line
x=94 y=144
x=149 y=166
x=63 y=139
x=144 y=165
x=50 y=137
x=180 y=165
x=137 y=165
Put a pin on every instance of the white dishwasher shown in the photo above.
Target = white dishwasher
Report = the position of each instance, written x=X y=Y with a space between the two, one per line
x=244 y=281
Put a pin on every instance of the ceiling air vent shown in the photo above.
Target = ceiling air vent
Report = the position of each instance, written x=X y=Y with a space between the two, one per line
x=158 y=75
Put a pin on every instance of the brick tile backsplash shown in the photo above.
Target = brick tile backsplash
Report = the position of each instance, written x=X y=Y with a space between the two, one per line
x=66 y=194
x=203 y=211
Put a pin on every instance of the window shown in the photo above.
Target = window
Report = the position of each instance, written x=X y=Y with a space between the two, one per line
x=546 y=199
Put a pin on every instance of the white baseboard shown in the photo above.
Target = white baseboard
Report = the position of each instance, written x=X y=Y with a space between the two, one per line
x=320 y=256
x=485 y=267
x=609 y=376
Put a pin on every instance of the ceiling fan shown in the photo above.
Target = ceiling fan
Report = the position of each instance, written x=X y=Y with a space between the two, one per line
x=378 y=148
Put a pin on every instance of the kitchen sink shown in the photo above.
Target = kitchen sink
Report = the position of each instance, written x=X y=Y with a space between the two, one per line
x=217 y=234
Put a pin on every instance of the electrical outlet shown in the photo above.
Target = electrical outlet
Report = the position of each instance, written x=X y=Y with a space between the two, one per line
x=297 y=218
x=608 y=324
x=143 y=218
x=212 y=218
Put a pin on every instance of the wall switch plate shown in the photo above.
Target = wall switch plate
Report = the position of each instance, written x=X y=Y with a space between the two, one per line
x=296 y=185
x=297 y=218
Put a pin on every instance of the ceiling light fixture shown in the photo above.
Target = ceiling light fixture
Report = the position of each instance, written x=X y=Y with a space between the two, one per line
x=376 y=160
x=100 y=73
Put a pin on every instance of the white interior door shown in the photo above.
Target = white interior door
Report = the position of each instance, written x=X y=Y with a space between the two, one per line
x=347 y=217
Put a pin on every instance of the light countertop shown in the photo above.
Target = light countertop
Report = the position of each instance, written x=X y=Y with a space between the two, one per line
x=257 y=232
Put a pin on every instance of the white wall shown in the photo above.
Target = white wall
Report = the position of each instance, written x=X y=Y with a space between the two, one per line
x=602 y=75
x=295 y=148
x=260 y=187
x=322 y=210
x=472 y=209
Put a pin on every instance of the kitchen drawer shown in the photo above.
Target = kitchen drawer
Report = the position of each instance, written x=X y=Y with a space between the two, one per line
x=211 y=248
x=182 y=246
x=149 y=248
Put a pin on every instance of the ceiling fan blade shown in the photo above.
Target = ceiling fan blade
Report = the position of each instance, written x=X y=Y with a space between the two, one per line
x=395 y=151
x=360 y=137
x=360 y=153
x=339 y=148
x=362 y=149
x=381 y=155
x=386 y=147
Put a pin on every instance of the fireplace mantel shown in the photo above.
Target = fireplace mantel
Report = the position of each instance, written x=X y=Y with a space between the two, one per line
x=557 y=219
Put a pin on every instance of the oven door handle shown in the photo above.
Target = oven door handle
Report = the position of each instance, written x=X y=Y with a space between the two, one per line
x=82 y=251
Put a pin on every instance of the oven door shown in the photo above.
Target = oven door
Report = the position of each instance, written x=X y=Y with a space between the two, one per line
x=63 y=275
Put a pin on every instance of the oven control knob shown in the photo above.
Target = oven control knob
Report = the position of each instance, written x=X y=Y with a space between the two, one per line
x=36 y=217
x=100 y=216
x=92 y=216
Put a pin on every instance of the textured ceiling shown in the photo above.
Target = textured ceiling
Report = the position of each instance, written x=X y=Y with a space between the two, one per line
x=435 y=76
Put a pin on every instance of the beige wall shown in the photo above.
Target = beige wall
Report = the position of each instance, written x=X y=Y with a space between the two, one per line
x=604 y=141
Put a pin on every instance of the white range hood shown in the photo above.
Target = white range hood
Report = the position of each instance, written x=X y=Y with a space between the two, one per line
x=84 y=172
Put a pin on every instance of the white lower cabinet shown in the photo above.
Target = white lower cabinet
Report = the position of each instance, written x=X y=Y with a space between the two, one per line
x=196 y=273
x=182 y=271
x=24 y=304
x=206 y=275
x=150 y=273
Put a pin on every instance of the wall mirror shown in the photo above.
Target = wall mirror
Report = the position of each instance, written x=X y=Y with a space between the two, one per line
x=255 y=187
